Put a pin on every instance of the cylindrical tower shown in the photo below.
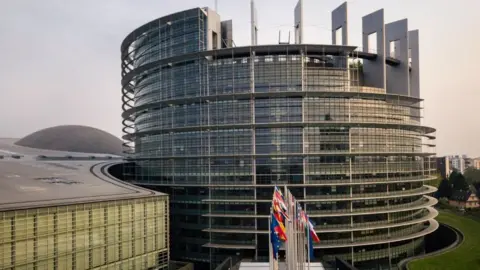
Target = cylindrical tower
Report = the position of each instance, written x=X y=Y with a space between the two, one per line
x=218 y=129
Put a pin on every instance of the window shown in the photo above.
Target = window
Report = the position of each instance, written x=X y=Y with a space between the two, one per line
x=372 y=43
x=339 y=36
x=214 y=40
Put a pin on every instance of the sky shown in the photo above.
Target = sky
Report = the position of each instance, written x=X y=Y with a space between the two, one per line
x=61 y=59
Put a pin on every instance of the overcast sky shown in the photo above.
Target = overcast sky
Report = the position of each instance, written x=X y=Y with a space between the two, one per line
x=61 y=59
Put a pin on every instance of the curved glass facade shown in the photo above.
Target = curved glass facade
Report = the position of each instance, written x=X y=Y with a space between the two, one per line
x=217 y=130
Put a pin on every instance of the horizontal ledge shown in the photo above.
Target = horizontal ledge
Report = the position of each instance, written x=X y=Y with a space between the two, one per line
x=249 y=95
x=421 y=191
x=295 y=154
x=433 y=225
x=323 y=183
x=330 y=124
x=407 y=207
x=258 y=50
x=431 y=215
x=227 y=246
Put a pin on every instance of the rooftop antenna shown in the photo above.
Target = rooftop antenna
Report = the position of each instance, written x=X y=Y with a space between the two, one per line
x=216 y=6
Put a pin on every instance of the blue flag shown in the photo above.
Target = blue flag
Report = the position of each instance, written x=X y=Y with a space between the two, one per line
x=274 y=238
x=310 y=245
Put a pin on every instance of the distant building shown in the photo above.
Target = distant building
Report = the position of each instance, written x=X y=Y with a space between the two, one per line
x=468 y=162
x=443 y=166
x=476 y=163
x=465 y=199
x=458 y=163
x=65 y=210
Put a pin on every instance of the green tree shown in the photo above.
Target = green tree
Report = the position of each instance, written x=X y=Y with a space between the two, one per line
x=444 y=189
x=472 y=175
x=458 y=181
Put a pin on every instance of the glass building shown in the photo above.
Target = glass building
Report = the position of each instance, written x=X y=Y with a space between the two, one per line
x=217 y=127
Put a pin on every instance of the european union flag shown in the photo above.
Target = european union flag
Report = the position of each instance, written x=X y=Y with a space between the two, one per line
x=274 y=238
x=310 y=246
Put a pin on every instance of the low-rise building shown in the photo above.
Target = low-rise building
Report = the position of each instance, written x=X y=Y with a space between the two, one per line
x=65 y=210
x=464 y=199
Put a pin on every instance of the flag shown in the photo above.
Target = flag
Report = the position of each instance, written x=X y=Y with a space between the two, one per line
x=278 y=196
x=313 y=234
x=279 y=212
x=310 y=248
x=279 y=228
x=279 y=206
x=303 y=219
x=274 y=239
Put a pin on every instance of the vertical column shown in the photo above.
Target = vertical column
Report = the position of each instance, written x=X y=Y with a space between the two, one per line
x=253 y=160
x=119 y=236
x=253 y=23
x=414 y=70
x=298 y=22
x=305 y=128
x=13 y=247
x=90 y=237
x=396 y=46
x=166 y=233
x=414 y=62
x=340 y=25
x=373 y=41
x=389 y=254
x=145 y=229
x=74 y=238
x=340 y=37
x=55 y=240
x=35 y=240
x=132 y=222
x=214 y=39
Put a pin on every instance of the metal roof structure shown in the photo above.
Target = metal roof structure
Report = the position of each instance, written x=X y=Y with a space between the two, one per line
x=73 y=138
x=32 y=178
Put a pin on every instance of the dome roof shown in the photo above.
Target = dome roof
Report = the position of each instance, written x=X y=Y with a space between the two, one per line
x=73 y=139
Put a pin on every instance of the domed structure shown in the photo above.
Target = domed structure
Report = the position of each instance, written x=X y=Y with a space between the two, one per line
x=73 y=138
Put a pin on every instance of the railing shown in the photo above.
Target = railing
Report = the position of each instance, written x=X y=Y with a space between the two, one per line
x=421 y=202
x=382 y=236
x=424 y=189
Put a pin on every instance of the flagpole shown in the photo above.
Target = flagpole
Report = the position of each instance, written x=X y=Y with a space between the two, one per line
x=308 y=245
x=288 y=260
x=270 y=249
x=302 y=244
x=294 y=249
x=295 y=223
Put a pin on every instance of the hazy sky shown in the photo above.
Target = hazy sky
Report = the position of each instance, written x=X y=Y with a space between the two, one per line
x=61 y=59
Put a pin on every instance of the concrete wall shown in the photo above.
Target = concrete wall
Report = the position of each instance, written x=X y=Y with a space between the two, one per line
x=214 y=28
x=374 y=70
x=413 y=45
x=396 y=38
x=340 y=21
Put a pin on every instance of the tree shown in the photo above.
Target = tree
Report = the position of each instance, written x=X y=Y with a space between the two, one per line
x=458 y=181
x=444 y=189
x=472 y=175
